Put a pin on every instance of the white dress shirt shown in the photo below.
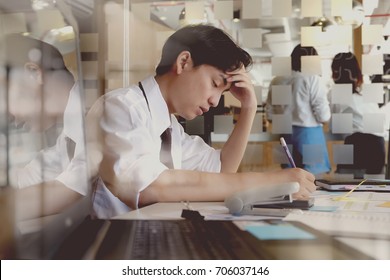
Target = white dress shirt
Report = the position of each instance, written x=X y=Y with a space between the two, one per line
x=132 y=144
x=359 y=108
x=55 y=163
x=310 y=105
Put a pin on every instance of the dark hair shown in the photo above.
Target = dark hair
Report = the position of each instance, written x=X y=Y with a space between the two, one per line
x=346 y=70
x=20 y=49
x=207 y=45
x=297 y=53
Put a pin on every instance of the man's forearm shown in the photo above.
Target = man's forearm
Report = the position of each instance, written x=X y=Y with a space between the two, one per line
x=234 y=148
x=43 y=199
x=188 y=185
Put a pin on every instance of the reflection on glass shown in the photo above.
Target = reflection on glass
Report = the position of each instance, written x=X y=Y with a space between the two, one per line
x=42 y=122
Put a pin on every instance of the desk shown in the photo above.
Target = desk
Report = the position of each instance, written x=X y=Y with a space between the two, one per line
x=376 y=248
x=169 y=211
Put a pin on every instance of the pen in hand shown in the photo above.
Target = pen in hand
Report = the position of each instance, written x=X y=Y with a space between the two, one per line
x=285 y=148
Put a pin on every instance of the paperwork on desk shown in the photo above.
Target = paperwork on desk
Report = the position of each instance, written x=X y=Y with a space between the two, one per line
x=367 y=225
x=359 y=214
x=367 y=202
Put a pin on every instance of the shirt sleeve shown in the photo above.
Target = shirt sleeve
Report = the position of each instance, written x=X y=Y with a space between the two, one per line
x=319 y=100
x=131 y=152
x=45 y=166
x=75 y=175
x=198 y=155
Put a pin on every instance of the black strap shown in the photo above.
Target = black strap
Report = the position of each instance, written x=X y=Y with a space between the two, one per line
x=143 y=91
x=70 y=147
x=165 y=152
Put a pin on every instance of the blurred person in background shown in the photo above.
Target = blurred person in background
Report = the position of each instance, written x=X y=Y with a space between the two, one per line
x=309 y=110
x=368 y=148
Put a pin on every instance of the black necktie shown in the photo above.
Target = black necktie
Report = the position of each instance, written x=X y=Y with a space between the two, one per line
x=166 y=143
x=70 y=147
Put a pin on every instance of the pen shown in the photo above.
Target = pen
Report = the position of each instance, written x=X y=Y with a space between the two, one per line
x=284 y=145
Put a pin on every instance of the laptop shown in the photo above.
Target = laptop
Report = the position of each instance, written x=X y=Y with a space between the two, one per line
x=374 y=185
x=195 y=239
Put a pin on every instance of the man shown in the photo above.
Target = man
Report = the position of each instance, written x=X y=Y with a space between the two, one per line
x=46 y=108
x=198 y=64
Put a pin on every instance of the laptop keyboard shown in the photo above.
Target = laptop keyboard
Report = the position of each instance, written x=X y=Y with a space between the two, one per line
x=165 y=241
x=191 y=239
x=179 y=239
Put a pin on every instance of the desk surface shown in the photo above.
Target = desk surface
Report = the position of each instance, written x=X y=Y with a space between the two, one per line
x=170 y=210
x=376 y=248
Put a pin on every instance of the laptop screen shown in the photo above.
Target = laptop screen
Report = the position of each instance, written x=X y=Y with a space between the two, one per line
x=43 y=162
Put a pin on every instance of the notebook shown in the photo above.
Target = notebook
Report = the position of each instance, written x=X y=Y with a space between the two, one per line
x=376 y=185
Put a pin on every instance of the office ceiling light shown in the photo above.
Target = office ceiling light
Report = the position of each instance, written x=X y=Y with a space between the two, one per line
x=324 y=23
x=236 y=15
x=42 y=4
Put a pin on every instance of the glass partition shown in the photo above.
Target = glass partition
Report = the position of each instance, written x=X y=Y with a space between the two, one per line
x=269 y=30
x=43 y=158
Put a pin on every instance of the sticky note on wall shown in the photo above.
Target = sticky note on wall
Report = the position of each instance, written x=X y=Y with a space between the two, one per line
x=281 y=95
x=373 y=93
x=281 y=66
x=252 y=37
x=311 y=8
x=372 y=64
x=342 y=154
x=251 y=9
x=281 y=8
x=341 y=94
x=223 y=10
x=281 y=124
x=342 y=123
x=372 y=34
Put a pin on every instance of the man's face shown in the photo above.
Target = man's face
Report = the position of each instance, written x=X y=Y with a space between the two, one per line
x=25 y=102
x=197 y=89
x=37 y=103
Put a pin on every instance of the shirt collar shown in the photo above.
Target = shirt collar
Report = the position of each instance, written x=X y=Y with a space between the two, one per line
x=74 y=116
x=158 y=107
